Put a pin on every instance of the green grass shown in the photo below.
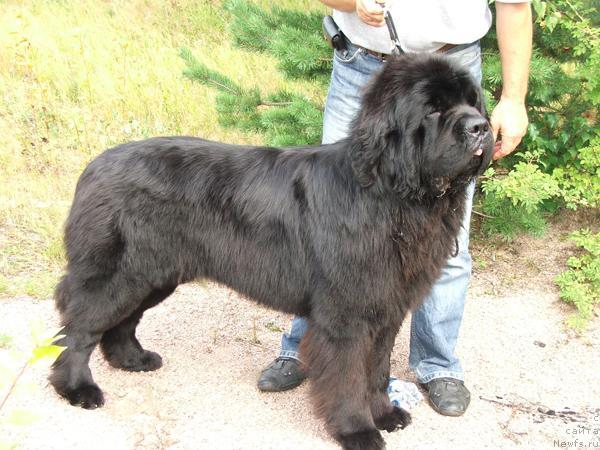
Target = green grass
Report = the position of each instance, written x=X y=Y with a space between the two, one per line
x=79 y=77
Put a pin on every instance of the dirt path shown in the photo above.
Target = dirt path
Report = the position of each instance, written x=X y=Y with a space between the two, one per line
x=514 y=348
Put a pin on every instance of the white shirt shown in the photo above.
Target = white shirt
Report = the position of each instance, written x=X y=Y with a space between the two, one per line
x=422 y=25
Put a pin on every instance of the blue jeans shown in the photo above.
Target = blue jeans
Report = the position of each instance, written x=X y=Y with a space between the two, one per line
x=435 y=325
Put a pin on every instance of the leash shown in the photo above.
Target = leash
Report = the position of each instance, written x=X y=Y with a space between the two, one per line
x=397 y=50
x=393 y=34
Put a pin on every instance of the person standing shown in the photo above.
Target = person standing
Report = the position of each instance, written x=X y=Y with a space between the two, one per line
x=428 y=26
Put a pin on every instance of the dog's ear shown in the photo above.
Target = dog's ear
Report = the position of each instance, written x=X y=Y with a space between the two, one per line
x=380 y=153
x=399 y=167
x=367 y=146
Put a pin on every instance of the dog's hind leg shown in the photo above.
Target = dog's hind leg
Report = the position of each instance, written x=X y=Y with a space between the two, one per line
x=386 y=416
x=337 y=369
x=71 y=375
x=120 y=345
x=88 y=309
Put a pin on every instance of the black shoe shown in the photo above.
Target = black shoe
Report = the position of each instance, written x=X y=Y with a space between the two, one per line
x=281 y=375
x=448 y=396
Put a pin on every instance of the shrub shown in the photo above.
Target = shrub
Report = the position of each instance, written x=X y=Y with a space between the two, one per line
x=580 y=284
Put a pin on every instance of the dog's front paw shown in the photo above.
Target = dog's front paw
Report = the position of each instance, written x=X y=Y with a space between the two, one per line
x=363 y=440
x=396 y=418
x=88 y=396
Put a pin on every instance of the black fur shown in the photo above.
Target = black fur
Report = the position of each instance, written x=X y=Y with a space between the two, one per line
x=350 y=235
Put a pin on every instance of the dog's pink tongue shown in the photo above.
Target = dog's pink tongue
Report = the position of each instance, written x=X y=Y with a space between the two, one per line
x=479 y=152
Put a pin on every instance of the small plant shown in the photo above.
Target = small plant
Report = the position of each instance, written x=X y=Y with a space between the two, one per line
x=525 y=185
x=512 y=202
x=13 y=365
x=507 y=221
x=578 y=180
x=580 y=284
x=519 y=200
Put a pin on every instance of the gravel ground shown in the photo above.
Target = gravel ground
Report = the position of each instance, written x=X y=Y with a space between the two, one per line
x=519 y=362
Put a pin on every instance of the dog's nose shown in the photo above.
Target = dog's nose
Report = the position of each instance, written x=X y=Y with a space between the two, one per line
x=476 y=126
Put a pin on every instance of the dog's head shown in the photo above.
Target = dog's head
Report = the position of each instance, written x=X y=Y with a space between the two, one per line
x=422 y=129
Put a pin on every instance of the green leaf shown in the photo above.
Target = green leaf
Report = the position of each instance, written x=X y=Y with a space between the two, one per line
x=551 y=22
x=46 y=353
x=22 y=417
x=540 y=9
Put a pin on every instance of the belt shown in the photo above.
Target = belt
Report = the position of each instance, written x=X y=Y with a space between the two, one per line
x=385 y=56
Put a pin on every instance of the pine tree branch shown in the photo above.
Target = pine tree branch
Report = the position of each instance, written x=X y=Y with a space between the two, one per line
x=222 y=86
x=574 y=10
x=482 y=214
x=276 y=103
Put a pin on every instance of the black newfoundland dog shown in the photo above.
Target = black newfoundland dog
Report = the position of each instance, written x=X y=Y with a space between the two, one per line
x=350 y=235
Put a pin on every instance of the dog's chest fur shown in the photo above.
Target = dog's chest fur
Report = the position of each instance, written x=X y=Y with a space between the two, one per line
x=424 y=237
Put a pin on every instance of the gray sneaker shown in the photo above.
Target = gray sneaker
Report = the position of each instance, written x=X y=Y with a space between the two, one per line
x=281 y=375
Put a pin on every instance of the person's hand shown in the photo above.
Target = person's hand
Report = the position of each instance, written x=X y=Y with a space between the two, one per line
x=509 y=122
x=371 y=12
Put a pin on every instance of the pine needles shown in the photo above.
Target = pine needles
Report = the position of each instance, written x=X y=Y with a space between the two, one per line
x=294 y=38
